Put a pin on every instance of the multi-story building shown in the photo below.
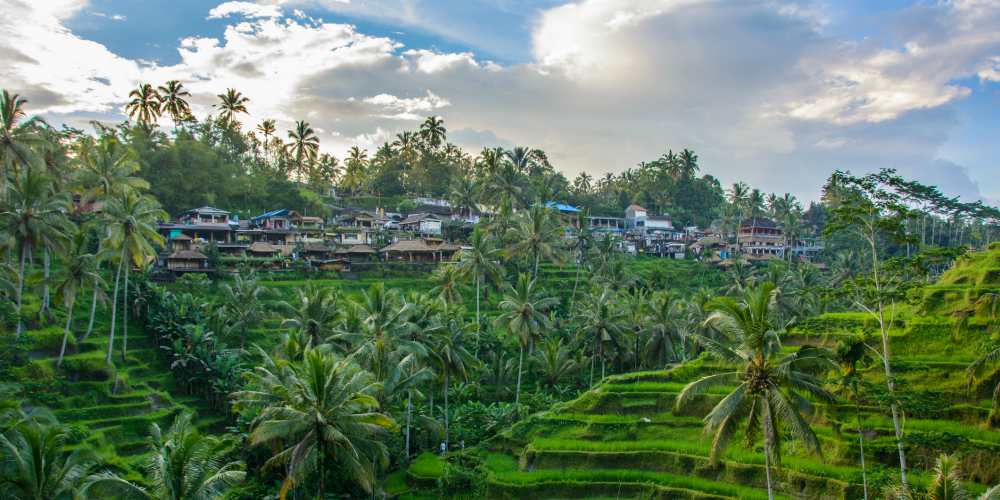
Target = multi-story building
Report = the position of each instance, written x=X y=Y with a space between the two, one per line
x=761 y=238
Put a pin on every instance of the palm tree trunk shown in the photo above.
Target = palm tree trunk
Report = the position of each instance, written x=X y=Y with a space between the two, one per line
x=20 y=287
x=479 y=323
x=322 y=467
x=409 y=413
x=861 y=443
x=520 y=362
x=125 y=305
x=93 y=311
x=535 y=275
x=767 y=461
x=46 y=297
x=114 y=308
x=69 y=322
x=592 y=358
x=576 y=281
x=446 y=410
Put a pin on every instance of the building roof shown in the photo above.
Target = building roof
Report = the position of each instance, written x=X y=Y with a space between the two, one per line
x=181 y=237
x=273 y=213
x=664 y=218
x=206 y=210
x=356 y=249
x=562 y=207
x=262 y=247
x=187 y=255
x=415 y=218
x=709 y=241
x=447 y=247
x=310 y=218
x=316 y=247
x=762 y=222
x=635 y=207
x=416 y=246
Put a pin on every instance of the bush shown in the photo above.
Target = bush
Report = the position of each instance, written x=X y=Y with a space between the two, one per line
x=50 y=339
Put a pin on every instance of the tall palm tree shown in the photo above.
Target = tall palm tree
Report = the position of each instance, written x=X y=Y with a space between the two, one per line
x=537 y=234
x=848 y=355
x=688 y=161
x=384 y=331
x=314 y=314
x=106 y=166
x=768 y=386
x=523 y=315
x=267 y=128
x=242 y=303
x=450 y=355
x=144 y=105
x=39 y=465
x=464 y=194
x=581 y=246
x=737 y=198
x=231 y=103
x=480 y=262
x=16 y=138
x=317 y=410
x=601 y=320
x=432 y=131
x=447 y=279
x=185 y=465
x=131 y=230
x=554 y=361
x=303 y=146
x=79 y=268
x=665 y=336
x=172 y=98
x=978 y=369
x=32 y=214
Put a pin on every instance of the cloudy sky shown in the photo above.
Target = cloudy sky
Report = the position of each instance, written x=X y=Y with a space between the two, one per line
x=774 y=92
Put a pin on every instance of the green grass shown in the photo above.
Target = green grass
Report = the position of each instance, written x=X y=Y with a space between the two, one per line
x=428 y=466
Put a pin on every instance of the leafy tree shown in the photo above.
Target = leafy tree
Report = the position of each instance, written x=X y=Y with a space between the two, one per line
x=451 y=356
x=144 y=105
x=601 y=321
x=79 y=267
x=173 y=101
x=317 y=412
x=16 y=138
x=432 y=131
x=554 y=361
x=38 y=465
x=242 y=305
x=522 y=314
x=768 y=384
x=537 y=236
x=313 y=316
x=107 y=166
x=304 y=146
x=231 y=103
x=480 y=262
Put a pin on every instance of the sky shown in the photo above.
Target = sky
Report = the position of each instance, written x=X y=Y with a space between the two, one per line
x=777 y=93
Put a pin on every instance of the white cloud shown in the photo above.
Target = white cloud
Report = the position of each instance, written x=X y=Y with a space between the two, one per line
x=397 y=108
x=245 y=9
x=431 y=62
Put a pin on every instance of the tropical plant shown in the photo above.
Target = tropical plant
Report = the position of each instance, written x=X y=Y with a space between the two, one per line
x=976 y=371
x=554 y=361
x=16 y=138
x=664 y=330
x=537 y=235
x=768 y=385
x=79 y=268
x=432 y=131
x=107 y=166
x=303 y=147
x=231 y=103
x=523 y=315
x=314 y=314
x=480 y=262
x=144 y=105
x=37 y=464
x=241 y=304
x=316 y=411
x=453 y=360
x=172 y=99
x=600 y=323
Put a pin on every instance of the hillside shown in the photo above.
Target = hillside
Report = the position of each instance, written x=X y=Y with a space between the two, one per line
x=623 y=439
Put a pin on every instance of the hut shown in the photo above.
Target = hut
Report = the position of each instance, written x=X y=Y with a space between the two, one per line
x=356 y=253
x=182 y=261
x=262 y=249
x=418 y=251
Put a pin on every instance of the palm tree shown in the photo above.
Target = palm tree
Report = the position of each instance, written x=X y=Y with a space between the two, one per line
x=304 y=146
x=231 y=103
x=32 y=214
x=464 y=194
x=144 y=106
x=38 y=463
x=384 y=331
x=581 y=246
x=448 y=283
x=172 y=98
x=79 y=267
x=267 y=128
x=480 y=262
x=314 y=314
x=450 y=355
x=107 y=166
x=688 y=161
x=849 y=354
x=537 y=234
x=242 y=303
x=131 y=223
x=977 y=370
x=432 y=131
x=16 y=138
x=663 y=328
x=319 y=409
x=600 y=320
x=185 y=465
x=947 y=482
x=522 y=314
x=554 y=361
x=737 y=197
x=768 y=385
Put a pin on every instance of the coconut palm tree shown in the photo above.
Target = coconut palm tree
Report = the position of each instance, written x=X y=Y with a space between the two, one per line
x=600 y=320
x=665 y=336
x=523 y=315
x=432 y=131
x=184 y=465
x=38 y=464
x=316 y=411
x=131 y=230
x=314 y=314
x=32 y=214
x=464 y=194
x=173 y=102
x=947 y=481
x=976 y=372
x=267 y=128
x=481 y=263
x=384 y=331
x=231 y=103
x=768 y=385
x=537 y=235
x=106 y=166
x=581 y=246
x=554 y=361
x=688 y=161
x=242 y=303
x=79 y=268
x=16 y=138
x=144 y=106
x=453 y=360
x=447 y=279
x=303 y=146
x=848 y=355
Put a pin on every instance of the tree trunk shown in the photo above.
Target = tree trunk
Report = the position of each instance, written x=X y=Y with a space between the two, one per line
x=592 y=359
x=322 y=466
x=69 y=322
x=535 y=275
x=767 y=460
x=520 y=361
x=479 y=323
x=125 y=306
x=861 y=443
x=20 y=287
x=46 y=297
x=114 y=309
x=93 y=311
x=576 y=281
x=409 y=412
x=446 y=440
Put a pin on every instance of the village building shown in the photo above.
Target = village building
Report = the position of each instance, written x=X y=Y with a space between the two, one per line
x=419 y=250
x=202 y=225
x=606 y=224
x=357 y=253
x=567 y=213
x=761 y=238
x=183 y=258
x=422 y=223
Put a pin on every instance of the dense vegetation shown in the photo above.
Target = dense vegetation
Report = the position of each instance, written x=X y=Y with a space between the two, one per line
x=533 y=365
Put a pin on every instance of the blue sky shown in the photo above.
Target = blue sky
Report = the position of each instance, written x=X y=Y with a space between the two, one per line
x=774 y=92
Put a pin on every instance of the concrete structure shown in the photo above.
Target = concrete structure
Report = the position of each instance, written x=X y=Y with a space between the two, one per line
x=761 y=238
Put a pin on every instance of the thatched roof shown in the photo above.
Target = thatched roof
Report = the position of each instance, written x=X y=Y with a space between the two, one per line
x=187 y=255
x=262 y=247
x=415 y=246
x=316 y=247
x=356 y=249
